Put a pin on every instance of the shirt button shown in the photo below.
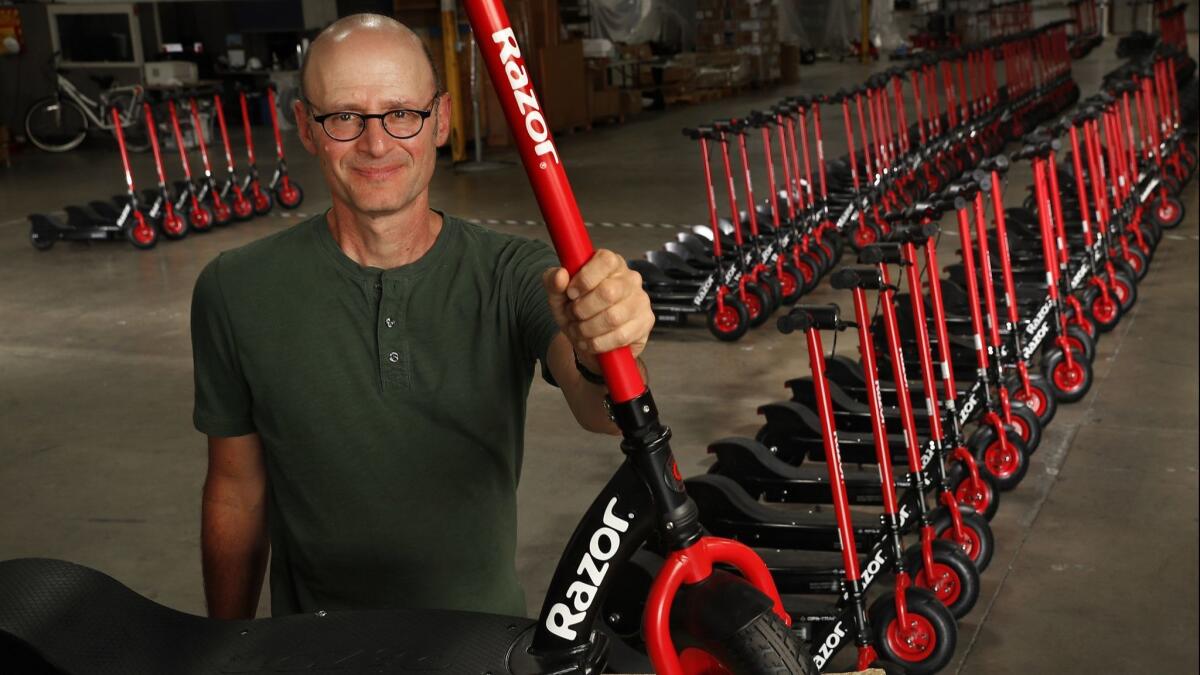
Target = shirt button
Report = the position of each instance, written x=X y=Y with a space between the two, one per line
x=394 y=357
x=390 y=322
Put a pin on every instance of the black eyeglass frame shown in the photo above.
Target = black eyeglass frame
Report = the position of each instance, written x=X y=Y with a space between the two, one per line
x=382 y=117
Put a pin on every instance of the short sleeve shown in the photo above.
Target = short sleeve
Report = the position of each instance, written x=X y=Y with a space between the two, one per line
x=223 y=404
x=535 y=322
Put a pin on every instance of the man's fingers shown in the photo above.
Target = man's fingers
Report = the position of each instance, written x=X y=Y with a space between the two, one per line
x=632 y=333
x=600 y=267
x=555 y=281
x=612 y=317
x=611 y=291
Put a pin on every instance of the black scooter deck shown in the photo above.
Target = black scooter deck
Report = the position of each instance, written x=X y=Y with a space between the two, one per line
x=58 y=617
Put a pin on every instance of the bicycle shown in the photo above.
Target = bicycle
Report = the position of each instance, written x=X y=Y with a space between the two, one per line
x=60 y=122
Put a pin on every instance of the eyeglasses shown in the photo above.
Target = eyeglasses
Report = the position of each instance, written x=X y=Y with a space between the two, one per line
x=399 y=124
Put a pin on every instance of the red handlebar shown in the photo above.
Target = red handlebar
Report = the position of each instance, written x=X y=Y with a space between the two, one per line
x=539 y=155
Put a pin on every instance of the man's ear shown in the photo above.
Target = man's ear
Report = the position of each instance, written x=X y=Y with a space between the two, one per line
x=443 y=119
x=303 y=128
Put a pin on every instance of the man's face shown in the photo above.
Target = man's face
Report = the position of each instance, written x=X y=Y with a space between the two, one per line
x=373 y=72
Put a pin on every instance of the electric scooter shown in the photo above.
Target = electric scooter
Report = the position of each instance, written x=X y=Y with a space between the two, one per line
x=199 y=219
x=209 y=191
x=287 y=191
x=231 y=189
x=84 y=224
x=162 y=209
x=724 y=622
x=251 y=187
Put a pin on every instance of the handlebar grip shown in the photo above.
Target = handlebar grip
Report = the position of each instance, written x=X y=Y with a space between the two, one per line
x=807 y=317
x=849 y=278
x=880 y=253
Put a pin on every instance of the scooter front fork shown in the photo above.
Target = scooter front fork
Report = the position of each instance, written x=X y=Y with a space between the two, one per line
x=947 y=499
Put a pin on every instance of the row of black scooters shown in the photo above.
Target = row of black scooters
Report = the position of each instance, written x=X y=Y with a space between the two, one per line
x=195 y=204
x=1034 y=290
x=739 y=269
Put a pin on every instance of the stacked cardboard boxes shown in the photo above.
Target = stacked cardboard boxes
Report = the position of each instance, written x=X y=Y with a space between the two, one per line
x=748 y=29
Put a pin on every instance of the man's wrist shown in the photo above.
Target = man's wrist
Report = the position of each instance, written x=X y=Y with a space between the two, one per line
x=588 y=374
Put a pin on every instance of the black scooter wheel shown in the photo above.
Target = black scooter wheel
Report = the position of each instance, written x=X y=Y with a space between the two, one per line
x=729 y=323
x=1103 y=308
x=1039 y=398
x=200 y=220
x=1125 y=290
x=773 y=289
x=862 y=237
x=791 y=283
x=1027 y=425
x=983 y=498
x=836 y=243
x=262 y=202
x=1006 y=459
x=810 y=269
x=978 y=542
x=1166 y=215
x=1082 y=322
x=141 y=233
x=291 y=197
x=757 y=303
x=926 y=644
x=173 y=226
x=765 y=645
x=954 y=580
x=1071 y=381
x=1081 y=343
x=1137 y=262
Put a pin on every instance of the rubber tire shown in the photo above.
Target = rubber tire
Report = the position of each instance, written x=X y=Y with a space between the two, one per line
x=791 y=283
x=140 y=244
x=243 y=210
x=222 y=213
x=298 y=191
x=768 y=282
x=738 y=330
x=978 y=530
x=765 y=645
x=958 y=474
x=1045 y=407
x=162 y=225
x=1082 y=342
x=41 y=243
x=933 y=614
x=199 y=220
x=813 y=264
x=1105 y=312
x=1163 y=220
x=71 y=143
x=1028 y=425
x=982 y=442
x=1140 y=264
x=957 y=565
x=268 y=202
x=757 y=294
x=1129 y=298
x=1067 y=394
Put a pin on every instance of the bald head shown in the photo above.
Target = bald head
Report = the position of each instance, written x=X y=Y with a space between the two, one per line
x=364 y=36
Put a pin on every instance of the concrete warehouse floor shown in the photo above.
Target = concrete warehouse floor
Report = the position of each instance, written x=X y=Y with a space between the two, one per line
x=1095 y=569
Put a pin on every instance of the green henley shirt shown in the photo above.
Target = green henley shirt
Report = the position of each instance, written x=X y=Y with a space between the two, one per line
x=391 y=408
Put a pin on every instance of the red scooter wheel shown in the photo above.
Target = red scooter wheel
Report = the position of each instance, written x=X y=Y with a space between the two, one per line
x=1072 y=380
x=200 y=219
x=758 y=304
x=291 y=196
x=729 y=323
x=978 y=542
x=954 y=580
x=791 y=284
x=983 y=497
x=173 y=226
x=1167 y=215
x=221 y=213
x=926 y=644
x=141 y=233
x=243 y=209
x=1039 y=398
x=1005 y=459
x=262 y=202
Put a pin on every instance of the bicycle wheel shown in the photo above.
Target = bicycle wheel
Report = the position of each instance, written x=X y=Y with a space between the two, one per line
x=56 y=124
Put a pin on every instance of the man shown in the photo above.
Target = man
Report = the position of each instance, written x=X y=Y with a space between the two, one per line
x=362 y=376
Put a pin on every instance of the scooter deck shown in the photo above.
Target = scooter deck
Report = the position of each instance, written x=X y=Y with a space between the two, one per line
x=58 y=617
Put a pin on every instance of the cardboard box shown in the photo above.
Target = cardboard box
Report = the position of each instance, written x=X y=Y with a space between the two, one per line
x=564 y=86
x=604 y=104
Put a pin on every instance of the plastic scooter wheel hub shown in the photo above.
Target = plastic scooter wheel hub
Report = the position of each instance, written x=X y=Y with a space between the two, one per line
x=942 y=582
x=1001 y=459
x=915 y=642
x=970 y=541
x=726 y=319
x=1068 y=377
x=966 y=494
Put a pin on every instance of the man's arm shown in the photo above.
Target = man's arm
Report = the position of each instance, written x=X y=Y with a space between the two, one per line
x=601 y=308
x=233 y=530
x=585 y=399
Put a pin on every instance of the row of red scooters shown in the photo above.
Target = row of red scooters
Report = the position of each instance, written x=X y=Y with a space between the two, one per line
x=194 y=204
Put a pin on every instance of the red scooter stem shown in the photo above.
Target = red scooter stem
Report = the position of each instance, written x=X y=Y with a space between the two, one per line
x=833 y=460
x=275 y=121
x=195 y=115
x=968 y=255
x=774 y=201
x=502 y=56
x=808 y=179
x=816 y=108
x=116 y=115
x=224 y=132
x=710 y=194
x=183 y=158
x=246 y=127
x=153 y=131
x=729 y=185
x=751 y=212
x=787 y=171
x=892 y=330
x=917 y=301
x=943 y=333
x=791 y=137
